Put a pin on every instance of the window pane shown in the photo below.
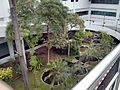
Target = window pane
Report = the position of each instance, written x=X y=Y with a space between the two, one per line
x=105 y=1
x=103 y=13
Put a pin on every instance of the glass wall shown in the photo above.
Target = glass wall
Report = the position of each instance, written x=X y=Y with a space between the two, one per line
x=105 y=1
x=113 y=14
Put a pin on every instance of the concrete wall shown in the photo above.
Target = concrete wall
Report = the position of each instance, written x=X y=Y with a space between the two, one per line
x=81 y=5
x=2 y=40
x=4 y=12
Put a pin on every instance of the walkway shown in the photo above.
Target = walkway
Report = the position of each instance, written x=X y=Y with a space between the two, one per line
x=4 y=86
x=110 y=31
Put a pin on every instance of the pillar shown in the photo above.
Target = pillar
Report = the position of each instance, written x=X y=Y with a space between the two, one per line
x=11 y=49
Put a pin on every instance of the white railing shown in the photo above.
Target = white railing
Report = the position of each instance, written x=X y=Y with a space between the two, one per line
x=93 y=79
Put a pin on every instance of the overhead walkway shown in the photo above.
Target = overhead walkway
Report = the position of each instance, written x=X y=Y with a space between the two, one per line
x=109 y=30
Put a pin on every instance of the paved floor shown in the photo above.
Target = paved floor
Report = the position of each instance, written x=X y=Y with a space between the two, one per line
x=4 y=86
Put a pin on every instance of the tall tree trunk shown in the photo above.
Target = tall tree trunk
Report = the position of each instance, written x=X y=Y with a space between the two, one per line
x=48 y=36
x=18 y=43
x=68 y=45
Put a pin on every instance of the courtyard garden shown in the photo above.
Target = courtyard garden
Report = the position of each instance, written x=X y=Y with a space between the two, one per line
x=66 y=54
x=63 y=71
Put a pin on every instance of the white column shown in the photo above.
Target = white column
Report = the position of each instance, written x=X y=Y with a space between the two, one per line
x=11 y=49
x=117 y=14
x=24 y=51
x=74 y=6
x=89 y=13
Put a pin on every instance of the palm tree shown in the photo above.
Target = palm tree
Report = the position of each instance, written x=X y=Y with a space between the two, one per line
x=58 y=72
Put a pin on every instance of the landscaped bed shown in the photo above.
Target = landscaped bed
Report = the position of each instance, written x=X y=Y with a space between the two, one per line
x=63 y=71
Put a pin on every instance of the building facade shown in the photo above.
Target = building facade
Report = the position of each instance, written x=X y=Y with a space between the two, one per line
x=6 y=49
x=99 y=12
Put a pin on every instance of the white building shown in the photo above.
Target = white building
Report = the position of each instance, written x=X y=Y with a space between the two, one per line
x=96 y=13
x=6 y=49
x=100 y=12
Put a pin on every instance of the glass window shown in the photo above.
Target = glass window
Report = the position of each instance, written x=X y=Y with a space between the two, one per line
x=76 y=0
x=1 y=19
x=72 y=0
x=103 y=13
x=4 y=51
x=105 y=1
x=82 y=13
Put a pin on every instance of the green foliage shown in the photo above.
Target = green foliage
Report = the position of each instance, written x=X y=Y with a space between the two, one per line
x=79 y=36
x=103 y=48
x=39 y=64
x=77 y=41
x=32 y=51
x=25 y=33
x=9 y=33
x=77 y=67
x=74 y=48
x=69 y=59
x=54 y=14
x=88 y=34
x=6 y=73
x=106 y=39
x=59 y=39
x=17 y=68
x=74 y=20
x=35 y=62
x=58 y=71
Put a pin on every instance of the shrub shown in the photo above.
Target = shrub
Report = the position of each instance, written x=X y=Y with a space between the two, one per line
x=17 y=68
x=35 y=62
x=74 y=49
x=6 y=73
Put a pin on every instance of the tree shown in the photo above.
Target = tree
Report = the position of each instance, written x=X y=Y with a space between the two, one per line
x=58 y=72
x=73 y=20
x=18 y=43
x=78 y=38
x=35 y=63
x=53 y=13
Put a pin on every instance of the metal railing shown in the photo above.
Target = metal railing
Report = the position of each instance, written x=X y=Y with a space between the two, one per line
x=95 y=77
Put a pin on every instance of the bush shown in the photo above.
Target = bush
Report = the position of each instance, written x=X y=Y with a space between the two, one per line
x=6 y=73
x=17 y=68
x=74 y=49
x=35 y=62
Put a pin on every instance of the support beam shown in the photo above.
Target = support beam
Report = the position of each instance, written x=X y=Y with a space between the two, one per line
x=24 y=52
x=11 y=49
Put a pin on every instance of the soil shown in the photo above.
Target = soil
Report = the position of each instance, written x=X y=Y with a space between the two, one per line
x=42 y=54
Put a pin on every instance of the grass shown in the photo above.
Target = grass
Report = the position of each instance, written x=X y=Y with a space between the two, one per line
x=19 y=85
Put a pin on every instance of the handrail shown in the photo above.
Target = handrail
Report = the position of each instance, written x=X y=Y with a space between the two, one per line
x=93 y=78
